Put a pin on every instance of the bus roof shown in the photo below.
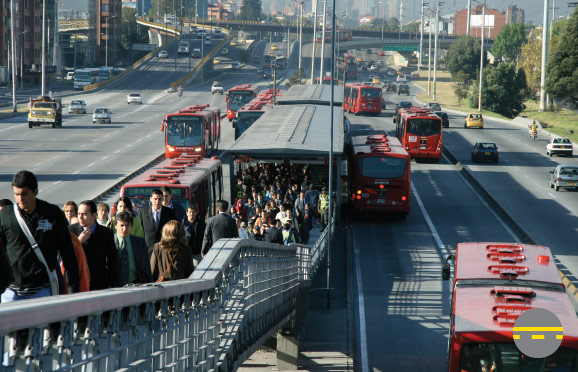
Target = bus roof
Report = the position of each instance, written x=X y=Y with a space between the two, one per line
x=244 y=87
x=418 y=112
x=197 y=110
x=378 y=144
x=183 y=171
x=488 y=313
x=491 y=260
x=292 y=130
x=311 y=94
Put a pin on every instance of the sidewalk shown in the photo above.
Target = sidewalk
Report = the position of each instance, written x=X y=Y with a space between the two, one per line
x=325 y=341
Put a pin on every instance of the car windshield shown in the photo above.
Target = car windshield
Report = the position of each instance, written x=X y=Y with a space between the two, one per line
x=184 y=130
x=100 y=111
x=43 y=105
x=424 y=127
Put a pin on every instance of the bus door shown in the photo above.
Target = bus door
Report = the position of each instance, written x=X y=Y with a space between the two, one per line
x=354 y=100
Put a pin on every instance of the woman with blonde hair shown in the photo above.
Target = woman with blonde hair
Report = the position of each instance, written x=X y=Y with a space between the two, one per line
x=172 y=259
x=70 y=210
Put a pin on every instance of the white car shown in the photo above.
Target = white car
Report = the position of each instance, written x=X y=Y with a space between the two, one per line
x=401 y=78
x=207 y=40
x=102 y=115
x=134 y=98
x=559 y=146
x=236 y=65
x=77 y=107
x=217 y=88
x=163 y=54
x=373 y=67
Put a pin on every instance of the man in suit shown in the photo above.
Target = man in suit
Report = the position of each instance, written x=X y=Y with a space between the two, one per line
x=194 y=230
x=300 y=206
x=99 y=247
x=168 y=202
x=221 y=226
x=154 y=218
x=133 y=259
x=273 y=234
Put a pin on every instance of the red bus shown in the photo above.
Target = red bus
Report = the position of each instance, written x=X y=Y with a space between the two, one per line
x=238 y=96
x=193 y=130
x=349 y=65
x=420 y=132
x=380 y=175
x=253 y=110
x=494 y=283
x=361 y=98
x=191 y=179
x=342 y=35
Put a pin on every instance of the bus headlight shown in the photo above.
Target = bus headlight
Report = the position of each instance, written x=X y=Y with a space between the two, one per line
x=198 y=149
x=171 y=149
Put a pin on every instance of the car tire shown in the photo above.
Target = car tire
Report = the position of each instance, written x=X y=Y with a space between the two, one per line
x=54 y=124
x=93 y=122
x=465 y=126
x=551 y=185
x=30 y=125
x=550 y=154
x=556 y=188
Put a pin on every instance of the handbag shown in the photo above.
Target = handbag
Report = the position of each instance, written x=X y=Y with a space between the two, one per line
x=162 y=278
x=52 y=276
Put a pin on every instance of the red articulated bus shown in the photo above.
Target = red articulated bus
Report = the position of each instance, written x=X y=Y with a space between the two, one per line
x=349 y=65
x=253 y=110
x=380 y=174
x=420 y=132
x=191 y=179
x=192 y=130
x=238 y=96
x=495 y=283
x=361 y=98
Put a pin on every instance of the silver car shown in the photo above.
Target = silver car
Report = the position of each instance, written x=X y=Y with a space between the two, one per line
x=564 y=176
x=134 y=98
x=77 y=106
x=102 y=115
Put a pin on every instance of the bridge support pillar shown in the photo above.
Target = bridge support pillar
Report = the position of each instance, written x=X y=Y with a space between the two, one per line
x=287 y=351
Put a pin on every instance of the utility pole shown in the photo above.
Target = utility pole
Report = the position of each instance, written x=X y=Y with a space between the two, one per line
x=12 y=54
x=322 y=58
x=436 y=50
x=43 y=46
x=420 y=37
x=469 y=16
x=429 y=56
x=482 y=57
x=543 y=103
x=300 y=36
x=314 y=40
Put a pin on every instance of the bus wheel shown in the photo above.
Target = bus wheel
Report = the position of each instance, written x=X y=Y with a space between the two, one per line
x=30 y=124
x=53 y=124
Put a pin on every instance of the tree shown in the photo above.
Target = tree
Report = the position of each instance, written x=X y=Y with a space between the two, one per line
x=129 y=35
x=461 y=85
x=504 y=90
x=251 y=10
x=508 y=43
x=530 y=59
x=392 y=24
x=562 y=68
x=464 y=55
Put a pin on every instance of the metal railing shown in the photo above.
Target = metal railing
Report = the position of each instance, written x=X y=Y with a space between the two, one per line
x=240 y=295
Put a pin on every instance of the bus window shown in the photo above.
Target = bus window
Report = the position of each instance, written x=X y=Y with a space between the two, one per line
x=385 y=167
x=220 y=178
x=213 y=186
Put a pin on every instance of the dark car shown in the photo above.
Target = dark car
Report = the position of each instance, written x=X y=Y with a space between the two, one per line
x=403 y=89
x=445 y=118
x=403 y=104
x=368 y=51
x=383 y=105
x=485 y=151
x=390 y=87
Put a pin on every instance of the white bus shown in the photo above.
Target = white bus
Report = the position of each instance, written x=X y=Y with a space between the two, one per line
x=170 y=18
x=85 y=76
x=183 y=47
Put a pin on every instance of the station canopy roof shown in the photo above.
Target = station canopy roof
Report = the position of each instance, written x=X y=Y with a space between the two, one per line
x=311 y=94
x=292 y=131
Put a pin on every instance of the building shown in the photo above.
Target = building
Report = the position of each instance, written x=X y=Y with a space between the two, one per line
x=89 y=32
x=218 y=12
x=495 y=21
x=514 y=14
x=27 y=37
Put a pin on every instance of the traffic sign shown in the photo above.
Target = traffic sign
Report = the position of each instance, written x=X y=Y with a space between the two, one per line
x=400 y=48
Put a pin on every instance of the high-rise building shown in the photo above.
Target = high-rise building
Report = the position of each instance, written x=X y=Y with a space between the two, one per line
x=514 y=14
x=393 y=11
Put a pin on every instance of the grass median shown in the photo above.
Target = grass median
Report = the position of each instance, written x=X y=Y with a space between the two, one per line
x=559 y=122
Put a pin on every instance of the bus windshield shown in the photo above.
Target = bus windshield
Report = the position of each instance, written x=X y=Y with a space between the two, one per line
x=507 y=357
x=238 y=98
x=246 y=119
x=82 y=76
x=424 y=127
x=184 y=130
x=382 y=167
x=370 y=93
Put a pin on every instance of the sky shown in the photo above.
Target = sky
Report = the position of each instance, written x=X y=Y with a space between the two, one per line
x=534 y=9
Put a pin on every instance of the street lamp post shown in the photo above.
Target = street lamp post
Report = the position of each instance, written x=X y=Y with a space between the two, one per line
x=543 y=102
x=314 y=40
x=14 y=106
x=106 y=44
x=300 y=36
x=429 y=55
x=322 y=57
x=436 y=50
x=383 y=17
x=22 y=59
x=43 y=47
x=469 y=16
x=482 y=57
x=420 y=37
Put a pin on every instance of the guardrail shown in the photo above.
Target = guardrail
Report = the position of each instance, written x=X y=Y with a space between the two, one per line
x=240 y=295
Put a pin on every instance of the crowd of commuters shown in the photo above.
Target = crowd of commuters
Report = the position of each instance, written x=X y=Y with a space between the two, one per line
x=81 y=248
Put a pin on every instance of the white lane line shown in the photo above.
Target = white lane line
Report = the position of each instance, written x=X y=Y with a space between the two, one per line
x=78 y=171
x=14 y=126
x=361 y=310
x=57 y=182
x=429 y=222
x=90 y=165
x=117 y=151
x=553 y=197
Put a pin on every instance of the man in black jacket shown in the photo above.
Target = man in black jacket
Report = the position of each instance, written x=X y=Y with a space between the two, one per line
x=194 y=230
x=48 y=226
x=221 y=226
x=99 y=247
x=273 y=234
x=133 y=259
x=153 y=219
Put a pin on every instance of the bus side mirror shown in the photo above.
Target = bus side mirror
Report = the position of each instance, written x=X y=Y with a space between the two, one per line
x=394 y=120
x=446 y=270
x=163 y=124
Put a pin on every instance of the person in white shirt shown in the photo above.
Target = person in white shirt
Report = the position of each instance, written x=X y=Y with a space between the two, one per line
x=282 y=213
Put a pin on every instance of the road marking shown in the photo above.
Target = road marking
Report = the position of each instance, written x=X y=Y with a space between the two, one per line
x=553 y=197
x=14 y=126
x=429 y=222
x=57 y=182
x=90 y=165
x=117 y=151
x=361 y=310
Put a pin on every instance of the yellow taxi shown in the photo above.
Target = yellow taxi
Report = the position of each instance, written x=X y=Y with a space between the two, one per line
x=216 y=60
x=233 y=42
x=224 y=51
x=242 y=41
x=474 y=120
x=359 y=59
x=272 y=54
x=376 y=80
x=273 y=47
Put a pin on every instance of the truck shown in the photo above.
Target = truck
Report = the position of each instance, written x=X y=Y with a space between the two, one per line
x=183 y=47
x=45 y=110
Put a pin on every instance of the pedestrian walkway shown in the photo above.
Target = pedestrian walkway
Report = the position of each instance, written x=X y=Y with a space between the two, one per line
x=325 y=341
